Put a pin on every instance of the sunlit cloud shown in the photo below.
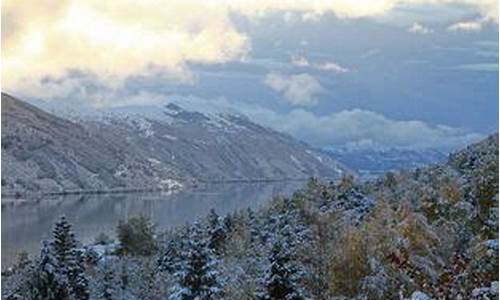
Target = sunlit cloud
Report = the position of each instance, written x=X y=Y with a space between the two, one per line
x=94 y=36
x=117 y=39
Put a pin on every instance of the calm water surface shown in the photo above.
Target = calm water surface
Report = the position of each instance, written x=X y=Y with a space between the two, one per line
x=26 y=223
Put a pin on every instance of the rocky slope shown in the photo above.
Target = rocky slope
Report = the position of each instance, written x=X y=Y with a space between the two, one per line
x=44 y=152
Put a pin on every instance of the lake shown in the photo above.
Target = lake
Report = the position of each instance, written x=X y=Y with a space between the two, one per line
x=26 y=222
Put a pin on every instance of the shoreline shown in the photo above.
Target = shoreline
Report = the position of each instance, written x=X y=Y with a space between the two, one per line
x=197 y=184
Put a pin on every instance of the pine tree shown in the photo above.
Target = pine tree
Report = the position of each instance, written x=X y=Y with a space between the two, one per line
x=228 y=223
x=69 y=265
x=196 y=273
x=284 y=272
x=137 y=236
x=145 y=282
x=40 y=280
x=216 y=232
x=107 y=288
x=77 y=279
x=253 y=227
x=63 y=243
x=280 y=282
x=170 y=254
x=255 y=253
x=19 y=278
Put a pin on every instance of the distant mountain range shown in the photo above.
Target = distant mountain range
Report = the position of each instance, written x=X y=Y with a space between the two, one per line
x=373 y=162
x=164 y=148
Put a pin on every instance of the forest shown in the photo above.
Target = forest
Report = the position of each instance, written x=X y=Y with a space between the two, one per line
x=426 y=233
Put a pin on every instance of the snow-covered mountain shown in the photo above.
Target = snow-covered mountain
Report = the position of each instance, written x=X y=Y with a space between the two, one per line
x=146 y=148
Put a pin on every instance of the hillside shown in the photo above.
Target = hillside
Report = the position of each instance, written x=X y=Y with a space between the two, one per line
x=44 y=152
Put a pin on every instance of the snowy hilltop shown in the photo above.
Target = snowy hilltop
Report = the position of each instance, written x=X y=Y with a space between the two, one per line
x=161 y=148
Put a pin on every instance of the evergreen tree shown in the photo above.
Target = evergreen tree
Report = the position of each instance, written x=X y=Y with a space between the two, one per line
x=280 y=279
x=124 y=278
x=40 y=280
x=77 y=280
x=145 y=282
x=255 y=253
x=70 y=269
x=108 y=284
x=253 y=227
x=170 y=254
x=137 y=236
x=228 y=223
x=20 y=277
x=216 y=232
x=64 y=244
x=284 y=272
x=196 y=273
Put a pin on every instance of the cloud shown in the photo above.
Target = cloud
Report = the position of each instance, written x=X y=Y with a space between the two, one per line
x=359 y=126
x=468 y=26
x=96 y=37
x=484 y=67
x=489 y=14
x=346 y=127
x=311 y=17
x=301 y=61
x=420 y=29
x=332 y=66
x=313 y=9
x=298 y=90
x=122 y=38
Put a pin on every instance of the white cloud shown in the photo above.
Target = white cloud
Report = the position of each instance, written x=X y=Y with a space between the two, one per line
x=332 y=66
x=468 y=26
x=301 y=61
x=312 y=9
x=484 y=67
x=117 y=39
x=49 y=37
x=489 y=14
x=347 y=127
x=356 y=126
x=298 y=90
x=311 y=17
x=420 y=29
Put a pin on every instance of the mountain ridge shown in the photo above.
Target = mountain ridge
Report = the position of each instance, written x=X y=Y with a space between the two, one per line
x=46 y=153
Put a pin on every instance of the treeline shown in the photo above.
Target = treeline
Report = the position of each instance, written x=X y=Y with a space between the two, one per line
x=430 y=233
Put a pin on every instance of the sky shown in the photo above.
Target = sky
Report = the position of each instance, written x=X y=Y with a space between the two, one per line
x=367 y=73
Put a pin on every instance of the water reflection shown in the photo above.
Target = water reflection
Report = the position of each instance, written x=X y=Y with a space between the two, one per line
x=26 y=223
